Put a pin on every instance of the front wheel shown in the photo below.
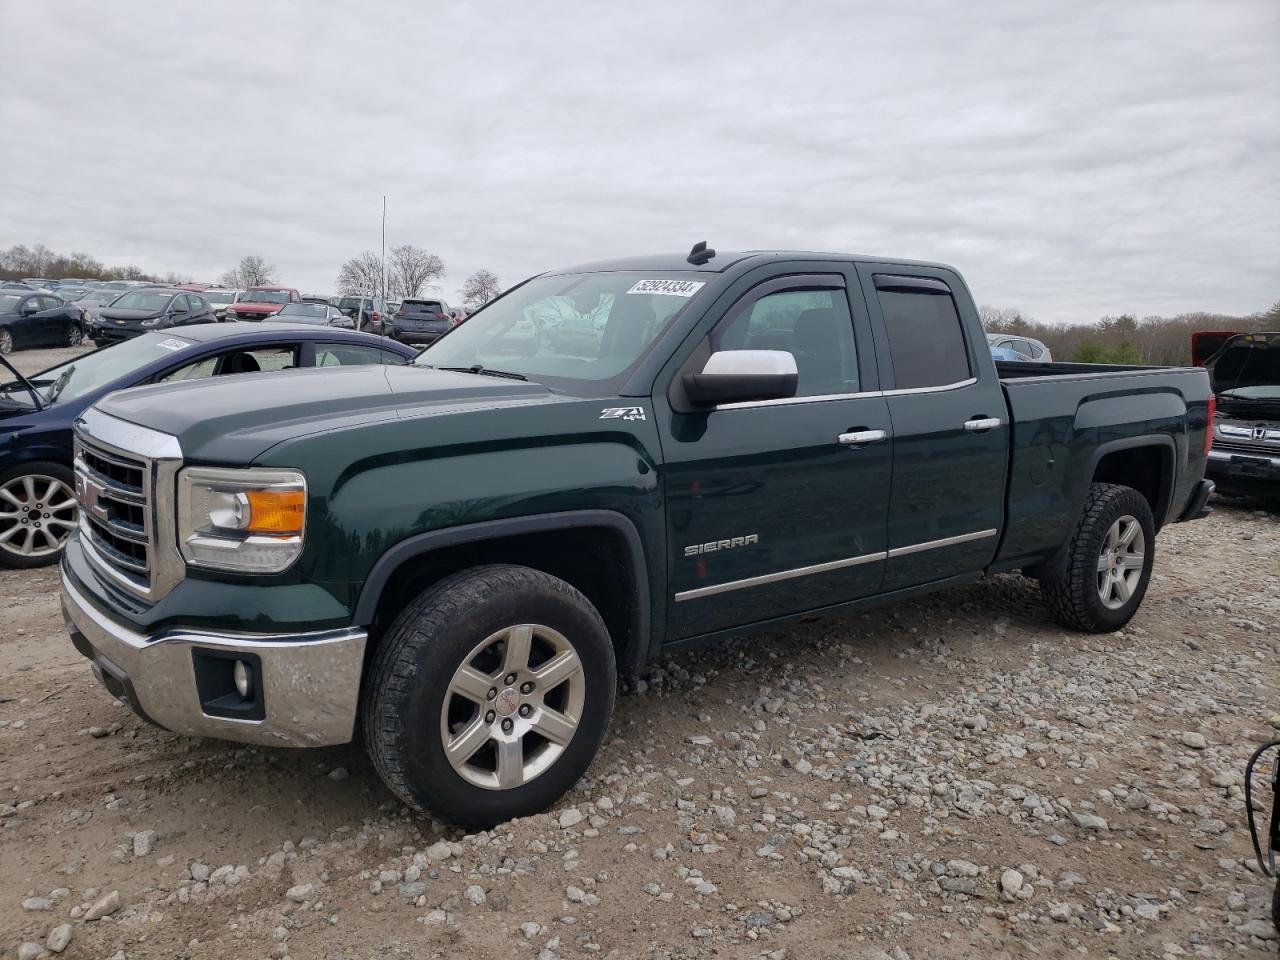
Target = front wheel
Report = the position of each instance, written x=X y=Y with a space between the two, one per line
x=6 y=341
x=75 y=335
x=489 y=695
x=38 y=511
x=1108 y=564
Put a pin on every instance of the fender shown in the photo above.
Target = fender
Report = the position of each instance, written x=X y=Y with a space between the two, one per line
x=1159 y=510
x=423 y=543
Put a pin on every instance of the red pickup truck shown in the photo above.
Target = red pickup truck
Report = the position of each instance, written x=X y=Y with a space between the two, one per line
x=258 y=303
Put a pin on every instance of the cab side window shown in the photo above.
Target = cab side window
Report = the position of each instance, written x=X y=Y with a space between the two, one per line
x=814 y=326
x=350 y=355
x=926 y=341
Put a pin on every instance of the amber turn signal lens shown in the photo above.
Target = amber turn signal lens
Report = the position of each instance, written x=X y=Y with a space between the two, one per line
x=275 y=511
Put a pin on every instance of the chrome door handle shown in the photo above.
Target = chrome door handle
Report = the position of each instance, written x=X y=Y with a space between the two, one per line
x=982 y=424
x=860 y=438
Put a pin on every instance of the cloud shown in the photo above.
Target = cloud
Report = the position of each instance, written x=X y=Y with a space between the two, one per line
x=1072 y=159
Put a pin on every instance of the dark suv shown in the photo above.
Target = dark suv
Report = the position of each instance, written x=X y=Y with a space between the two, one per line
x=370 y=314
x=421 y=321
x=147 y=309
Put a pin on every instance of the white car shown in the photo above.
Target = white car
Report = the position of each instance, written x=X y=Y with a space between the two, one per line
x=220 y=298
x=1024 y=347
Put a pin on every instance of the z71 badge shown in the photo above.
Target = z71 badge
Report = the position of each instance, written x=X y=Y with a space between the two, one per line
x=622 y=413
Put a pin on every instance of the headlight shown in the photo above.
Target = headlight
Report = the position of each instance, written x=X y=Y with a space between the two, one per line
x=251 y=521
x=155 y=322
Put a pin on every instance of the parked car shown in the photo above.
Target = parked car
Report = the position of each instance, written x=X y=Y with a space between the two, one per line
x=421 y=321
x=122 y=285
x=40 y=283
x=37 y=413
x=15 y=285
x=220 y=299
x=466 y=551
x=1004 y=353
x=30 y=319
x=258 y=303
x=1245 y=373
x=323 y=314
x=149 y=308
x=70 y=293
x=369 y=313
x=91 y=304
x=317 y=298
x=1025 y=347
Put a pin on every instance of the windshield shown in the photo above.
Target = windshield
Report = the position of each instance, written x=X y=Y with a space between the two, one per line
x=305 y=311
x=94 y=370
x=256 y=295
x=153 y=300
x=10 y=301
x=582 y=333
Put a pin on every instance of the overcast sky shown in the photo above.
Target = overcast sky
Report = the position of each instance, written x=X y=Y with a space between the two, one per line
x=1072 y=159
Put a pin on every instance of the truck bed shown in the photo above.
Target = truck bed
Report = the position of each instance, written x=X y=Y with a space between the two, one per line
x=1147 y=422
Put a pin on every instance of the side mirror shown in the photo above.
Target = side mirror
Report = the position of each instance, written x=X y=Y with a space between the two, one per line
x=734 y=376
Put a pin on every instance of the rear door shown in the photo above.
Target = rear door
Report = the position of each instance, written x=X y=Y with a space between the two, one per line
x=51 y=321
x=772 y=508
x=950 y=425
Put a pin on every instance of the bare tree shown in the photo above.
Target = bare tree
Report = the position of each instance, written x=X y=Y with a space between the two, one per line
x=1002 y=319
x=479 y=288
x=362 y=275
x=252 y=271
x=412 y=268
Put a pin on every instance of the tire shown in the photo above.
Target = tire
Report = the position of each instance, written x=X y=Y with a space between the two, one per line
x=75 y=334
x=6 y=341
x=411 y=702
x=34 y=536
x=1080 y=593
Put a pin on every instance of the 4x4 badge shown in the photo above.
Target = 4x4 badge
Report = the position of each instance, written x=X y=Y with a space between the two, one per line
x=622 y=413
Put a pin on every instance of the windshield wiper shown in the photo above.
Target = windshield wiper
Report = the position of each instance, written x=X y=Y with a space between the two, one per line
x=58 y=385
x=485 y=371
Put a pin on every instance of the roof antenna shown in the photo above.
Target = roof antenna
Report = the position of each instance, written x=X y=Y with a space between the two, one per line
x=700 y=253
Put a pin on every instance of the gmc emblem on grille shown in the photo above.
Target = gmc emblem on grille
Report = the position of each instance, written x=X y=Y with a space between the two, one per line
x=89 y=494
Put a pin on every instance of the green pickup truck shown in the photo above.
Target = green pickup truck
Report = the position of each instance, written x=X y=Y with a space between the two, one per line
x=457 y=558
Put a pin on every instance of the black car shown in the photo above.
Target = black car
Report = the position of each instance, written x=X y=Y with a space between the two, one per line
x=37 y=412
x=421 y=321
x=34 y=319
x=144 y=310
x=321 y=314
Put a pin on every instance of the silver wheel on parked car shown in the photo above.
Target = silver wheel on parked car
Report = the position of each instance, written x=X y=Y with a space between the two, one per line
x=513 y=706
x=37 y=514
x=1120 y=562
x=6 y=341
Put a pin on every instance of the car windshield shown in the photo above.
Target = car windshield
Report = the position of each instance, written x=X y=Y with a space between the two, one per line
x=220 y=296
x=154 y=300
x=98 y=369
x=304 y=311
x=10 y=301
x=257 y=295
x=581 y=333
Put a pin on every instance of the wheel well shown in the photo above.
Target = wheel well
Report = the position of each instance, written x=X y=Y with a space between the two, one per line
x=594 y=560
x=1145 y=469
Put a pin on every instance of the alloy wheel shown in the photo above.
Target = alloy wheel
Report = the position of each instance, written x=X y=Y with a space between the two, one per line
x=37 y=514
x=1120 y=562
x=513 y=706
x=6 y=341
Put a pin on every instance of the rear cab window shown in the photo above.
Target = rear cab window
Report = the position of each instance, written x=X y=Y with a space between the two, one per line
x=927 y=342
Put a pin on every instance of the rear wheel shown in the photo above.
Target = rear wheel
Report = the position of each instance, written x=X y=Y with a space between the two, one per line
x=6 y=341
x=489 y=695
x=38 y=511
x=1108 y=565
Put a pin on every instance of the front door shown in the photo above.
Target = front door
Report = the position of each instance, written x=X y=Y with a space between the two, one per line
x=950 y=425
x=779 y=506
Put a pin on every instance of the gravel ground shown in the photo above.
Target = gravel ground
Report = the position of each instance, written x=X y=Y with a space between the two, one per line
x=952 y=777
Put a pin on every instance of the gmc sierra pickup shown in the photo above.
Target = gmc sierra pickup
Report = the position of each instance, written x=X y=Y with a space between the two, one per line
x=465 y=552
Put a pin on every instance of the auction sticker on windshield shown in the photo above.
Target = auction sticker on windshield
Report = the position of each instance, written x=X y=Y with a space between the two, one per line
x=668 y=288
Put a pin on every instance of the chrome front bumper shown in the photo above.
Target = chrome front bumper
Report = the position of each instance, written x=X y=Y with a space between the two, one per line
x=308 y=684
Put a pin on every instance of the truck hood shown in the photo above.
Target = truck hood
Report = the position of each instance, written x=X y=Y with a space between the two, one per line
x=235 y=419
x=248 y=307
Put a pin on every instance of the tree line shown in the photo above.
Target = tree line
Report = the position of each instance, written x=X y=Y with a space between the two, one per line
x=1157 y=340
x=407 y=272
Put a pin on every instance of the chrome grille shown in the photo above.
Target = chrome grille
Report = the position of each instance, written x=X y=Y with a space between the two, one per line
x=114 y=494
x=125 y=482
